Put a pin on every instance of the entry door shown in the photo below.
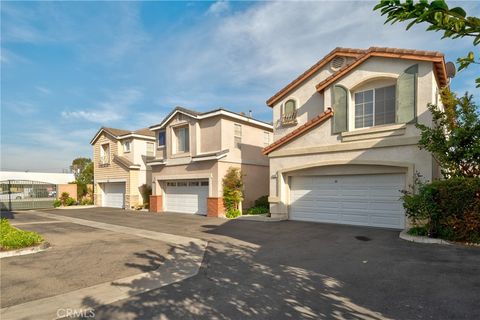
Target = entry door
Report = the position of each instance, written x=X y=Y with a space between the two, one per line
x=186 y=196
x=114 y=195
x=368 y=200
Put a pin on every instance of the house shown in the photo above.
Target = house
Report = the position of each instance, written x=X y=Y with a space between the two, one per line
x=345 y=140
x=120 y=168
x=195 y=150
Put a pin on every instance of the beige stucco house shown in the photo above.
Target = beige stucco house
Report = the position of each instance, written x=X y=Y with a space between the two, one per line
x=120 y=168
x=345 y=140
x=194 y=151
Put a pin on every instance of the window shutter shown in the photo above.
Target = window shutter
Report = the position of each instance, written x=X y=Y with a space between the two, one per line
x=406 y=95
x=340 y=109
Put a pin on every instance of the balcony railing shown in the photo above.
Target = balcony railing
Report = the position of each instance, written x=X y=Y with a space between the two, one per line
x=104 y=161
x=289 y=118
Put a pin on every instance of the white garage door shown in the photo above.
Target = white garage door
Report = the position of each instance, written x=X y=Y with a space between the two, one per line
x=114 y=195
x=186 y=196
x=367 y=200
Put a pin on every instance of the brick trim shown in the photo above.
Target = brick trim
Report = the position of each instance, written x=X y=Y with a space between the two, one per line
x=156 y=204
x=215 y=207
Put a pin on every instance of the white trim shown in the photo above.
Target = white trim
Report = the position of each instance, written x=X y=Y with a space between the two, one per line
x=209 y=158
x=134 y=135
x=110 y=180
x=184 y=177
x=213 y=114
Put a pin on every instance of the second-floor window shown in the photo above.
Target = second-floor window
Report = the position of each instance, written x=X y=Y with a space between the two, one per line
x=238 y=135
x=126 y=146
x=150 y=149
x=375 y=107
x=183 y=141
x=105 y=153
x=161 y=139
x=289 y=112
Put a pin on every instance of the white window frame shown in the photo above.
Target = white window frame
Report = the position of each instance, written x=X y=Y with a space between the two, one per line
x=105 y=153
x=124 y=145
x=237 y=135
x=373 y=108
x=177 y=139
x=152 y=153
x=164 y=139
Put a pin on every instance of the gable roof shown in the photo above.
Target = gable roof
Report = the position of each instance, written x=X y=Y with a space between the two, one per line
x=144 y=133
x=360 y=56
x=299 y=131
x=208 y=114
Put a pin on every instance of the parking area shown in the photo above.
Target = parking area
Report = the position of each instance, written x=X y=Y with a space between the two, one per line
x=281 y=270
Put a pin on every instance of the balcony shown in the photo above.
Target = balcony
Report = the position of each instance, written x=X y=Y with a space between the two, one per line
x=104 y=161
x=289 y=119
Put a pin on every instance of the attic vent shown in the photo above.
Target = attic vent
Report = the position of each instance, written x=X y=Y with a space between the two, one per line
x=337 y=63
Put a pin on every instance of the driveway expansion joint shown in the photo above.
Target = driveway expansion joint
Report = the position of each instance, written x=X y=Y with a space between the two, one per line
x=184 y=262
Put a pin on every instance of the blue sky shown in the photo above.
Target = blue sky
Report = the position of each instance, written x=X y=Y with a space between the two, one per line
x=68 y=68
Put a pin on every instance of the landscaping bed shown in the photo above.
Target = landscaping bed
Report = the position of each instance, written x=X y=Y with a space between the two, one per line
x=12 y=238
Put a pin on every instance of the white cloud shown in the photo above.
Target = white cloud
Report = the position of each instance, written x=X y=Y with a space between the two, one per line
x=21 y=107
x=43 y=90
x=113 y=109
x=218 y=7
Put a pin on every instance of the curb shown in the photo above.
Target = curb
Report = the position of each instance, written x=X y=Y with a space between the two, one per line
x=76 y=207
x=21 y=252
x=421 y=239
x=259 y=218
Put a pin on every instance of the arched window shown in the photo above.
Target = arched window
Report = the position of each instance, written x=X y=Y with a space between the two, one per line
x=289 y=111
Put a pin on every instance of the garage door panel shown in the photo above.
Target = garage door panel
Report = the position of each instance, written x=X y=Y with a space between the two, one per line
x=186 y=199
x=371 y=200
x=114 y=195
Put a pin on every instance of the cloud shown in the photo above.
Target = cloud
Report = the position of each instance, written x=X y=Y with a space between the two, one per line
x=21 y=107
x=113 y=109
x=218 y=7
x=43 y=90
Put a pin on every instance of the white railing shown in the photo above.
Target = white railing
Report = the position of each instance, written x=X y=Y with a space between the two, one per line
x=289 y=118
x=104 y=160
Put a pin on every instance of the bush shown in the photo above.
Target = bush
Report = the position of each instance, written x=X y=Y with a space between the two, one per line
x=232 y=188
x=87 y=201
x=257 y=210
x=233 y=213
x=13 y=238
x=448 y=209
x=70 y=202
x=57 y=203
x=262 y=202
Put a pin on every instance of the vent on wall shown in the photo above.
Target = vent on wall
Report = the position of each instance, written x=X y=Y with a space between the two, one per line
x=337 y=63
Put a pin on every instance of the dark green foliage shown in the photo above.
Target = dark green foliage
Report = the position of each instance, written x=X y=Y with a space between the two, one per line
x=453 y=22
x=262 y=202
x=83 y=171
x=146 y=192
x=454 y=138
x=57 y=203
x=257 y=210
x=261 y=206
x=447 y=209
x=418 y=231
x=232 y=189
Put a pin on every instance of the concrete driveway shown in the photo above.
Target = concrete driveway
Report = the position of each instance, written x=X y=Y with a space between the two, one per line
x=295 y=270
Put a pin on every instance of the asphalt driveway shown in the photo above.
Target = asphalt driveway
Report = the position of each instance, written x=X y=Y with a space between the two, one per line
x=295 y=270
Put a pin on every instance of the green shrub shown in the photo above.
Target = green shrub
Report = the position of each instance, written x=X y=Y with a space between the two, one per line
x=448 y=209
x=232 y=188
x=87 y=201
x=70 y=201
x=418 y=231
x=233 y=213
x=257 y=210
x=262 y=202
x=64 y=197
x=57 y=203
x=13 y=238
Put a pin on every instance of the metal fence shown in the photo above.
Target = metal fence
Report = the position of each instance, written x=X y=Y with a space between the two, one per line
x=26 y=195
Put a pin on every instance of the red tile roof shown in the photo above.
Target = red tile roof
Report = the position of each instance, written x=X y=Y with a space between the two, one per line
x=360 y=56
x=299 y=131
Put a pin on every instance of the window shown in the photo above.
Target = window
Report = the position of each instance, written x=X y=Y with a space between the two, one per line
x=161 y=139
x=193 y=184
x=181 y=184
x=266 y=138
x=183 y=140
x=289 y=112
x=204 y=183
x=126 y=146
x=238 y=135
x=375 y=107
x=150 y=149
x=105 y=153
x=171 y=184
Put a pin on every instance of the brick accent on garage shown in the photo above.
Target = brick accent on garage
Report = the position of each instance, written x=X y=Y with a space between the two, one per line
x=156 y=204
x=215 y=207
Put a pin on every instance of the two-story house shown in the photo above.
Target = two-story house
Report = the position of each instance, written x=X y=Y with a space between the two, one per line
x=195 y=150
x=345 y=141
x=120 y=168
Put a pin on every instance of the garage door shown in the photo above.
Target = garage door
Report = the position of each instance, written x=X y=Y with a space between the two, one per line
x=186 y=196
x=114 y=195
x=367 y=200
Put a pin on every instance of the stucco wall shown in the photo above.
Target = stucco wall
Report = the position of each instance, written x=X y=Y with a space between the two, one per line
x=210 y=134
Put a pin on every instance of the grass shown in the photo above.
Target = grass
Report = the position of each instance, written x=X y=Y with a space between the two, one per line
x=13 y=238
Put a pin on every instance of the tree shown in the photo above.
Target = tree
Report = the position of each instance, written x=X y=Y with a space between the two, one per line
x=453 y=22
x=232 y=191
x=78 y=165
x=454 y=138
x=83 y=171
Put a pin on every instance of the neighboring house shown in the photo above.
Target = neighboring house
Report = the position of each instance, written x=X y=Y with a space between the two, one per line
x=195 y=150
x=345 y=140
x=120 y=168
